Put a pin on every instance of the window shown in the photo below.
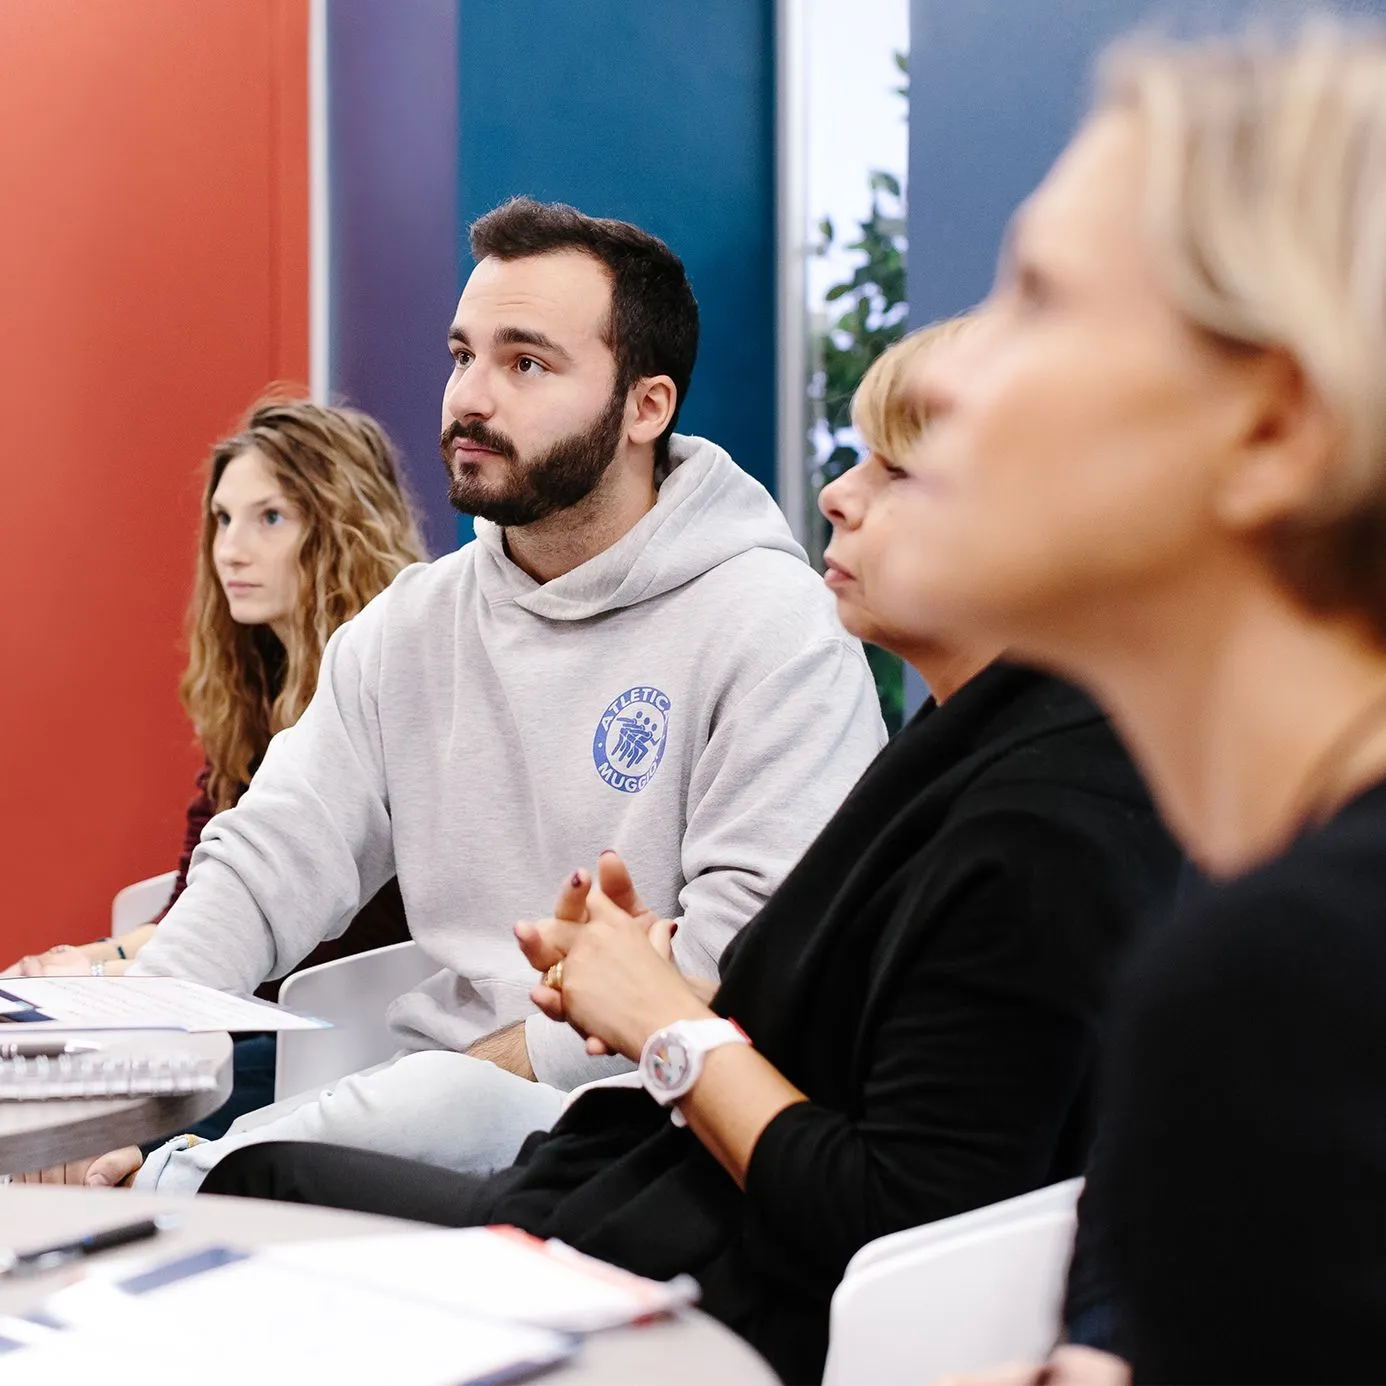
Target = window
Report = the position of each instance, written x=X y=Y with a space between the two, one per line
x=844 y=110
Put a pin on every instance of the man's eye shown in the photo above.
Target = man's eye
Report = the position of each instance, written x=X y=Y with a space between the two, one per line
x=461 y=358
x=529 y=361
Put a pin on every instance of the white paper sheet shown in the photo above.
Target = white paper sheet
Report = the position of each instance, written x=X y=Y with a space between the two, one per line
x=495 y=1273
x=138 y=1003
x=252 y=1321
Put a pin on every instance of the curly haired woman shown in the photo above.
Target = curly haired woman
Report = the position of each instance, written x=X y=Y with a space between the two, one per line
x=304 y=521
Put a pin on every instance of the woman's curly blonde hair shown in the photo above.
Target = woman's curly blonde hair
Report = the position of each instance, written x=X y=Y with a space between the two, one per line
x=340 y=471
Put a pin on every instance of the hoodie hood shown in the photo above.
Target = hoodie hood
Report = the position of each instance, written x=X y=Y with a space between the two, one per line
x=707 y=512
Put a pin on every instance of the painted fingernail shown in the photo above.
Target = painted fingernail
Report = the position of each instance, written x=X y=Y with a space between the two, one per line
x=576 y=880
x=673 y=929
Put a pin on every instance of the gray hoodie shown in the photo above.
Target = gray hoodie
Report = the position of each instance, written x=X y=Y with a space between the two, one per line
x=687 y=697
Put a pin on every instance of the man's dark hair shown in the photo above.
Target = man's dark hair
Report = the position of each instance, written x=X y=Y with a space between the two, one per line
x=654 y=316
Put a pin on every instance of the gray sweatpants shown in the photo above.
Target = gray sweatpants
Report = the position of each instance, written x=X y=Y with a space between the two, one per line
x=439 y=1106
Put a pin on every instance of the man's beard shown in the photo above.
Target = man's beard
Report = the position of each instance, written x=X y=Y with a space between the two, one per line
x=556 y=480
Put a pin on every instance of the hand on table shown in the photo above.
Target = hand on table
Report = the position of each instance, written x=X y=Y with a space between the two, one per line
x=115 y=1169
x=64 y=960
x=619 y=981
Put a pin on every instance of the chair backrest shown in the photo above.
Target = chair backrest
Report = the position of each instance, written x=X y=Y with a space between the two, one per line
x=354 y=994
x=982 y=1289
x=138 y=903
x=1053 y=1196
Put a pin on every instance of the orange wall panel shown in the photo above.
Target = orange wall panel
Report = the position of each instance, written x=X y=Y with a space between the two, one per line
x=153 y=257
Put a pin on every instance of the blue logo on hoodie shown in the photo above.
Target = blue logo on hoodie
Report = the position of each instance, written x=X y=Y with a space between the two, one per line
x=629 y=740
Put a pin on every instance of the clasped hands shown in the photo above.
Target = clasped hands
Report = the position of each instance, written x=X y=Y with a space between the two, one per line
x=619 y=982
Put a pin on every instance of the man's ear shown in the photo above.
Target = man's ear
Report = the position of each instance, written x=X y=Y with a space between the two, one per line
x=653 y=400
x=1283 y=455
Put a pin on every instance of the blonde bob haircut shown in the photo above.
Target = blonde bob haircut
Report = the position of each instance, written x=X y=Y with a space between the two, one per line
x=1265 y=207
x=341 y=472
x=886 y=410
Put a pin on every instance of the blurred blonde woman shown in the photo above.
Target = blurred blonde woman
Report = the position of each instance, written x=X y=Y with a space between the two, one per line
x=1162 y=469
x=304 y=521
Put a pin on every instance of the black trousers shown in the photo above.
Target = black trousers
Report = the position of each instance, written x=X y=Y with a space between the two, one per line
x=338 y=1176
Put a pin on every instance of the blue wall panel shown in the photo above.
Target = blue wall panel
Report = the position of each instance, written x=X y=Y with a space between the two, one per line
x=660 y=113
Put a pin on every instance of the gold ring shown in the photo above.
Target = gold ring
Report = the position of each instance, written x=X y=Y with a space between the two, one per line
x=553 y=978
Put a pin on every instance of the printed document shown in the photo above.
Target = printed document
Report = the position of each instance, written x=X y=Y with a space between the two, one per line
x=135 y=1003
x=287 y=1328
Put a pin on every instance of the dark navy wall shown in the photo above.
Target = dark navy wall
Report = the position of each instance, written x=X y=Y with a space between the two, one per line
x=661 y=113
x=392 y=124
x=996 y=88
x=995 y=91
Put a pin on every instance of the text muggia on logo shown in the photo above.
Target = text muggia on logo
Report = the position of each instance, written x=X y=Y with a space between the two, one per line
x=629 y=741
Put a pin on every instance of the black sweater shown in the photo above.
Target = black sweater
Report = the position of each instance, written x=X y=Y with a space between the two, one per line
x=1240 y=1188
x=932 y=976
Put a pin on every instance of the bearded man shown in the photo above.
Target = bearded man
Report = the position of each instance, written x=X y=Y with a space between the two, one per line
x=633 y=654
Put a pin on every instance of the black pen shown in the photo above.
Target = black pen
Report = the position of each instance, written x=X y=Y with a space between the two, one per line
x=50 y=1257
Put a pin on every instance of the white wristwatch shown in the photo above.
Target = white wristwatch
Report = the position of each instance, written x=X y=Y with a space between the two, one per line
x=672 y=1059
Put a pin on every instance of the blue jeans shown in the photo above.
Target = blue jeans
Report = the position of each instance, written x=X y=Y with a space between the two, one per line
x=252 y=1087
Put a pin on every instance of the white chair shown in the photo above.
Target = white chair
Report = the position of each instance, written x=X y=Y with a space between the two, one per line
x=354 y=994
x=1052 y=1197
x=959 y=1295
x=137 y=904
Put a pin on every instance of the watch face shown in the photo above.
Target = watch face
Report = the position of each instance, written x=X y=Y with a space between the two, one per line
x=668 y=1063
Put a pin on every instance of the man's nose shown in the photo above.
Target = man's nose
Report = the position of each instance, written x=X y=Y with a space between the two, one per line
x=469 y=394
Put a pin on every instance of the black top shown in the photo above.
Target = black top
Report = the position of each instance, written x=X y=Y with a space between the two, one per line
x=931 y=975
x=1241 y=1183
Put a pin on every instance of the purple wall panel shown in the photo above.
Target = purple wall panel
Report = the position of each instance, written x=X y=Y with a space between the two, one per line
x=393 y=132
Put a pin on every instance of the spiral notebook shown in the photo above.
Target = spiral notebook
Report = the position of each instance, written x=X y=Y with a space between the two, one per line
x=102 y=1073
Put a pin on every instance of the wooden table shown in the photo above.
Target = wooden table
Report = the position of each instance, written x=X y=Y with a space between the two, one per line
x=35 y=1135
x=683 y=1350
